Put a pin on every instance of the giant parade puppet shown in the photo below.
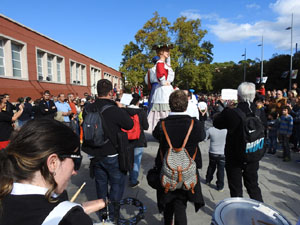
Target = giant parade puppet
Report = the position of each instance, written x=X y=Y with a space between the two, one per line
x=163 y=75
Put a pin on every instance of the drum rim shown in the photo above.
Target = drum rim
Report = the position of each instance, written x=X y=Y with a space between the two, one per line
x=218 y=208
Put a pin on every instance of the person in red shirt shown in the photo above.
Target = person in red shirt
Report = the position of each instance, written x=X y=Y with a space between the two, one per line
x=262 y=90
x=165 y=75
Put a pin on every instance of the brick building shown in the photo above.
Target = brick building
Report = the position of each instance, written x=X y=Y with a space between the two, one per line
x=31 y=63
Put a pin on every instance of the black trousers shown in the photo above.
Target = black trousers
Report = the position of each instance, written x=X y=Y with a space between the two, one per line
x=247 y=171
x=216 y=162
x=178 y=207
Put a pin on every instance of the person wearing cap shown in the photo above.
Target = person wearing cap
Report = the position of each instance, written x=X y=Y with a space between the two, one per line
x=194 y=97
x=165 y=75
x=151 y=81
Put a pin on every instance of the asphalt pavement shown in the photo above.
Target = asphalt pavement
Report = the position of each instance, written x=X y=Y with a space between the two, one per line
x=278 y=180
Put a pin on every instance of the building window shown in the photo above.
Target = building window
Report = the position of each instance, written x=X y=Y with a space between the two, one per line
x=2 y=71
x=13 y=58
x=107 y=76
x=16 y=60
x=50 y=67
x=95 y=75
x=40 y=65
x=77 y=73
x=58 y=69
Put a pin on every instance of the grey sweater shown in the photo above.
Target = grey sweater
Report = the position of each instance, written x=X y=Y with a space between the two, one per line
x=217 y=140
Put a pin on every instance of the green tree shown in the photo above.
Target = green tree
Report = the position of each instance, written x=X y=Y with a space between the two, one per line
x=190 y=56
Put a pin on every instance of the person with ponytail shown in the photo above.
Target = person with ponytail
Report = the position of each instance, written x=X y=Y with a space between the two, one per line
x=35 y=168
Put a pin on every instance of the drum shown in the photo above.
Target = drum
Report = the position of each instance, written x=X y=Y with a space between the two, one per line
x=237 y=211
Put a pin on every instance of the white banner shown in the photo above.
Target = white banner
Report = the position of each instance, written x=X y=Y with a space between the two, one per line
x=229 y=94
x=264 y=80
x=126 y=99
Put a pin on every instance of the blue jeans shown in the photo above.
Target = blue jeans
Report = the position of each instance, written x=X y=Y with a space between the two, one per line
x=22 y=122
x=216 y=161
x=106 y=172
x=272 y=143
x=134 y=173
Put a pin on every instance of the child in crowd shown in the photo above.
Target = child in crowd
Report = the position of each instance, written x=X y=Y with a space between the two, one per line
x=216 y=155
x=285 y=131
x=273 y=125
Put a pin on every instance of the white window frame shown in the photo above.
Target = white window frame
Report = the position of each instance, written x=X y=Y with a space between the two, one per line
x=58 y=68
x=52 y=75
x=78 y=75
x=95 y=75
x=2 y=57
x=40 y=65
x=8 y=60
x=15 y=60
x=49 y=67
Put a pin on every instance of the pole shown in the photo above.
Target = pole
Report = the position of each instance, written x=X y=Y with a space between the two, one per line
x=262 y=59
x=291 y=63
x=245 y=66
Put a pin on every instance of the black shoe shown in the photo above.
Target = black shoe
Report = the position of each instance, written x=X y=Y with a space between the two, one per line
x=280 y=156
x=135 y=185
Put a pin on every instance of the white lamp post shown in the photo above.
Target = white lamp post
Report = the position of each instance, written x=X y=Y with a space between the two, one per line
x=291 y=63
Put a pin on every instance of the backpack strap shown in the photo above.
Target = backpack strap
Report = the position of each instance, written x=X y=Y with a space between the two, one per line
x=58 y=212
x=185 y=139
x=107 y=133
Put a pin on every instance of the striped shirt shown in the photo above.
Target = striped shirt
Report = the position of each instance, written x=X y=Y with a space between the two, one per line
x=286 y=125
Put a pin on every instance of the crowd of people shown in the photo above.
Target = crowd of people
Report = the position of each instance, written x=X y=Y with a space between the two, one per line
x=39 y=158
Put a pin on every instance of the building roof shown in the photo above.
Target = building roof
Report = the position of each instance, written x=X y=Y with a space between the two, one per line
x=19 y=24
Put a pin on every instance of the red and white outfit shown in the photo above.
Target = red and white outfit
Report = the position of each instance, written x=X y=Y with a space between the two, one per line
x=160 y=99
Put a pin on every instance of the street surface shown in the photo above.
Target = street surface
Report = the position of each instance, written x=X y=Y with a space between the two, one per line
x=278 y=180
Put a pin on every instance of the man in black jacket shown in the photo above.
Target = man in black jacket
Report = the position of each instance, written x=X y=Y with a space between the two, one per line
x=105 y=164
x=9 y=106
x=47 y=107
x=236 y=167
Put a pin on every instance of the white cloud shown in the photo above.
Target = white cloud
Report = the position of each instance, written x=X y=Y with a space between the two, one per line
x=273 y=31
x=253 y=6
x=193 y=15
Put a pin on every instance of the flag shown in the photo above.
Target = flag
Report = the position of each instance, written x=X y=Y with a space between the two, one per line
x=294 y=74
x=257 y=80
x=285 y=74
x=264 y=80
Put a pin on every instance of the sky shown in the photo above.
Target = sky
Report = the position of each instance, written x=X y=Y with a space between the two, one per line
x=100 y=29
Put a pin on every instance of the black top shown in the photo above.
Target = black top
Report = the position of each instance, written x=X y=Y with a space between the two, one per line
x=27 y=112
x=5 y=126
x=144 y=125
x=115 y=119
x=33 y=209
x=230 y=120
x=47 y=109
x=177 y=127
x=10 y=108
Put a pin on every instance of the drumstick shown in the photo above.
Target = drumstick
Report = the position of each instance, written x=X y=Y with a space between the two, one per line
x=77 y=193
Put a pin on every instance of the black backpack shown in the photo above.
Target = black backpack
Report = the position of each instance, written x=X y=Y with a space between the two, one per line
x=253 y=136
x=93 y=132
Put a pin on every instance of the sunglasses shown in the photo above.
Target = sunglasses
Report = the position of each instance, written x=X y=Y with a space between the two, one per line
x=76 y=159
